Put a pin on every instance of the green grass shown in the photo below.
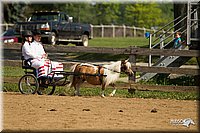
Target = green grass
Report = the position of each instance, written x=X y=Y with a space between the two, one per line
x=123 y=93
x=96 y=91
x=9 y=71
x=118 y=42
x=10 y=87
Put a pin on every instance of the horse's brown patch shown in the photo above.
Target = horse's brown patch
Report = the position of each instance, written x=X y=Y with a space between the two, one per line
x=85 y=70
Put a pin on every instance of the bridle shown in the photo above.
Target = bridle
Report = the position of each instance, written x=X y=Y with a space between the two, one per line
x=121 y=68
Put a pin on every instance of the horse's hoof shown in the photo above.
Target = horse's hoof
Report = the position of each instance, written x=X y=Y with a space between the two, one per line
x=111 y=95
x=77 y=95
x=102 y=96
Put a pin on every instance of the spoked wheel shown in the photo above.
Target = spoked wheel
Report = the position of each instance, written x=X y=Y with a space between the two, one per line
x=46 y=91
x=28 y=84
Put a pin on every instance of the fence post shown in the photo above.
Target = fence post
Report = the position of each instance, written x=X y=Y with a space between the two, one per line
x=154 y=35
x=92 y=30
x=6 y=26
x=144 y=29
x=124 y=30
x=134 y=31
x=132 y=60
x=113 y=30
x=102 y=30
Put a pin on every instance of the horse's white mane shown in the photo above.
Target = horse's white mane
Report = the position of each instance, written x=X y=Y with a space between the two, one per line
x=113 y=66
x=112 y=71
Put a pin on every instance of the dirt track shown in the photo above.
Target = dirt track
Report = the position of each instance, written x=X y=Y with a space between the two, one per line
x=65 y=113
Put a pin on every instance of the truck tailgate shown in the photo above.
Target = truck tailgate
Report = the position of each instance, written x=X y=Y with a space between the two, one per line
x=21 y=26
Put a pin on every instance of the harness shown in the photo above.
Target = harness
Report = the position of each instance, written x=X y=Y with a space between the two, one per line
x=99 y=73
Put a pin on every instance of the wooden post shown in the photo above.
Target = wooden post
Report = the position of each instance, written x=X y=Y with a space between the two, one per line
x=134 y=31
x=124 y=30
x=132 y=60
x=154 y=35
x=6 y=26
x=144 y=31
x=92 y=30
x=102 y=30
x=113 y=30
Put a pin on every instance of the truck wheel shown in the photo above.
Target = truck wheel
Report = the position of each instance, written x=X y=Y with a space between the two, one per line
x=52 y=39
x=85 y=40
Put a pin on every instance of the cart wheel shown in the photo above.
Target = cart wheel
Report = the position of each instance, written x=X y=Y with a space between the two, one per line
x=28 y=84
x=46 y=91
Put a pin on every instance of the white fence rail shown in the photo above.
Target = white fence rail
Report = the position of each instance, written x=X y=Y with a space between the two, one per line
x=121 y=31
x=109 y=30
x=5 y=27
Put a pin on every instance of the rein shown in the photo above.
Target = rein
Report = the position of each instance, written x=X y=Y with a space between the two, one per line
x=110 y=69
x=105 y=68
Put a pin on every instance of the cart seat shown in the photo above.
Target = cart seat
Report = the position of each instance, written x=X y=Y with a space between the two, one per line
x=26 y=64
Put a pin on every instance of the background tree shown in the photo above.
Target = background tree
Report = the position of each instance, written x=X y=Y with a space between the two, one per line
x=138 y=14
x=144 y=15
x=81 y=12
x=106 y=13
x=14 y=12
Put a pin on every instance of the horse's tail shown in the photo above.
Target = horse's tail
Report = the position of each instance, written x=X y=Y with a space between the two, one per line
x=72 y=69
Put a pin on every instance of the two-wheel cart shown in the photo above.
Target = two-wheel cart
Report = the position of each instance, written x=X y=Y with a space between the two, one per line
x=30 y=84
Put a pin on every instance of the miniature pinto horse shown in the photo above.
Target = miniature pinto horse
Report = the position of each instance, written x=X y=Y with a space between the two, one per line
x=99 y=75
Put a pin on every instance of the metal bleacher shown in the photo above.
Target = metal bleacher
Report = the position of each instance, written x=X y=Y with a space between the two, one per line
x=165 y=39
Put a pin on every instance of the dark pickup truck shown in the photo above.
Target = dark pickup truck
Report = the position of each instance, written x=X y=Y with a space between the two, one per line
x=56 y=27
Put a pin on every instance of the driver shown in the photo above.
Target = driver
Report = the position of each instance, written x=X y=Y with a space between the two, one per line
x=36 y=55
